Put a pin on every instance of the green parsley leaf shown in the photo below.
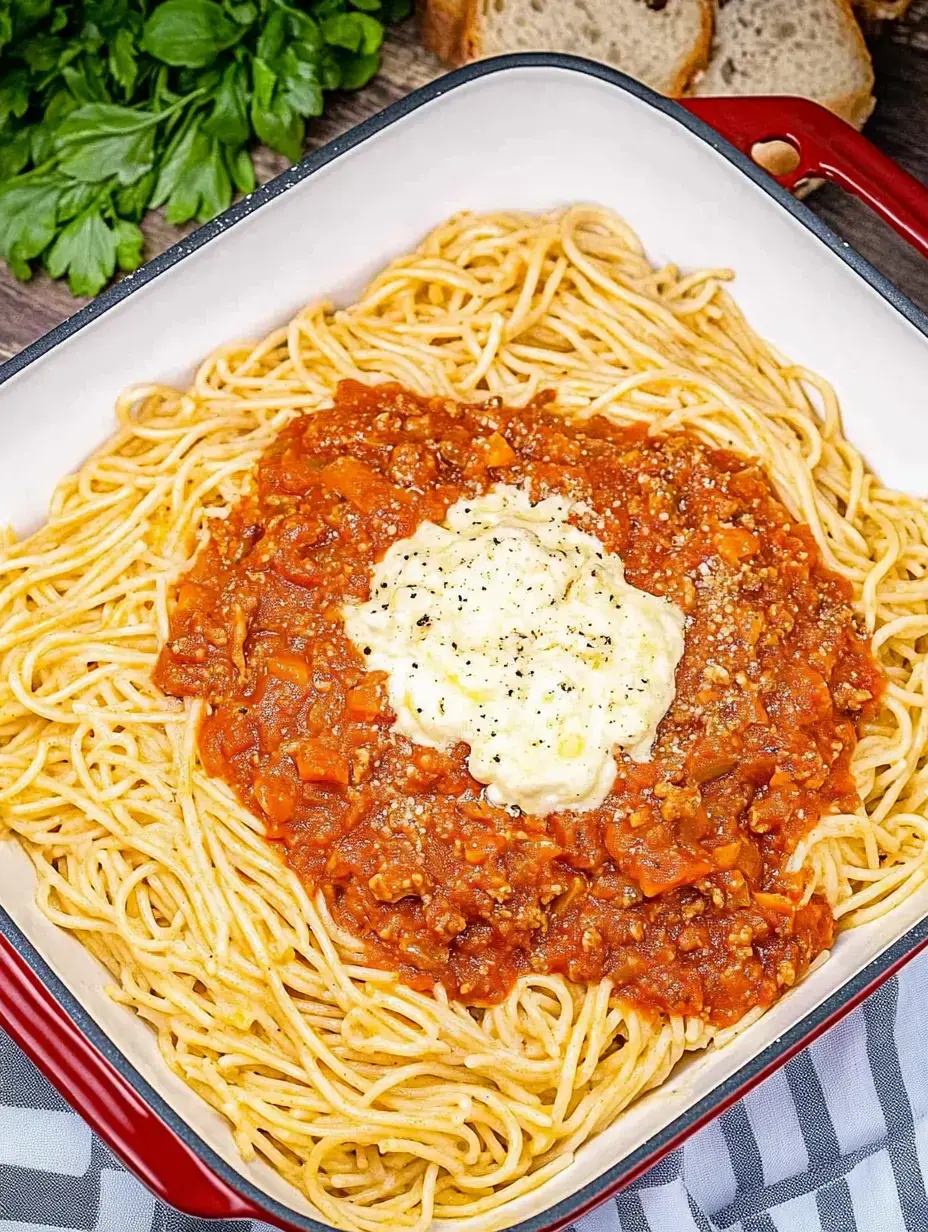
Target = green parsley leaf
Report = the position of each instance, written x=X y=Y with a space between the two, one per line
x=271 y=39
x=129 y=244
x=103 y=140
x=358 y=71
x=272 y=117
x=108 y=15
x=291 y=47
x=369 y=6
x=60 y=104
x=15 y=153
x=241 y=169
x=83 y=79
x=123 y=61
x=173 y=162
x=194 y=181
x=244 y=13
x=330 y=70
x=204 y=192
x=191 y=33
x=354 y=31
x=28 y=220
x=14 y=95
x=41 y=144
x=300 y=83
x=132 y=200
x=76 y=197
x=228 y=119
x=85 y=251
x=29 y=11
x=40 y=52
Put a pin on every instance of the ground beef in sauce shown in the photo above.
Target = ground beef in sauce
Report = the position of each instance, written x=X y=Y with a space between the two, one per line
x=675 y=887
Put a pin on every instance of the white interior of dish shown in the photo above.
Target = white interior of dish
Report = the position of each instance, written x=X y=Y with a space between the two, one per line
x=529 y=138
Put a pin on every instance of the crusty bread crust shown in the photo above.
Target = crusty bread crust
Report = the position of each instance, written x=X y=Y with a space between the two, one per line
x=855 y=107
x=451 y=28
x=441 y=28
x=470 y=47
x=882 y=10
x=700 y=54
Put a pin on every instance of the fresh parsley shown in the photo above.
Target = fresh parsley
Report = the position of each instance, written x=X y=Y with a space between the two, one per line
x=112 y=107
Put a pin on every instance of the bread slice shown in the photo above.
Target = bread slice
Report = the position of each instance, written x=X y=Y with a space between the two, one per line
x=661 y=42
x=813 y=48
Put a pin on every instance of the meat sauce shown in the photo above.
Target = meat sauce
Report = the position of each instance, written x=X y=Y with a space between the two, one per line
x=676 y=886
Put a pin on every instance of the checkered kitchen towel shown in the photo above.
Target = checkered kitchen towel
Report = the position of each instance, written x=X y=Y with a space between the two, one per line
x=837 y=1141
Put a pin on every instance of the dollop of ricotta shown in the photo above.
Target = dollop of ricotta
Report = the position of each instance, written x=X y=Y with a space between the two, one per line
x=509 y=628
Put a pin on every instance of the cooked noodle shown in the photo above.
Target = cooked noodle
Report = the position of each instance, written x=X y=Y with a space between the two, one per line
x=392 y=1108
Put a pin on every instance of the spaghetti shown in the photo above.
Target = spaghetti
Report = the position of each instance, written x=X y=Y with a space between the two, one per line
x=390 y=1107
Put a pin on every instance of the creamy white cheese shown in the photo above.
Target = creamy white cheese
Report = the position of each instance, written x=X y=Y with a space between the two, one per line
x=510 y=629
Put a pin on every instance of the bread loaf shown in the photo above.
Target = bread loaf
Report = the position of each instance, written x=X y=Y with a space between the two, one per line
x=660 y=42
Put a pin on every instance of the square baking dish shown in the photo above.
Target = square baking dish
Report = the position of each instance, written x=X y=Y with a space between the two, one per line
x=525 y=132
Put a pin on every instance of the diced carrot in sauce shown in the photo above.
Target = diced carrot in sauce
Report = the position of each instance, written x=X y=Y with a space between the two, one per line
x=478 y=810
x=810 y=691
x=669 y=869
x=290 y=668
x=238 y=735
x=726 y=856
x=317 y=763
x=482 y=847
x=366 y=700
x=576 y=890
x=190 y=596
x=735 y=544
x=750 y=861
x=361 y=485
x=277 y=796
x=499 y=451
x=544 y=850
x=708 y=759
x=775 y=902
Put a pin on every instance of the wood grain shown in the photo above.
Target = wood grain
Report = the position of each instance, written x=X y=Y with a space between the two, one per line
x=899 y=127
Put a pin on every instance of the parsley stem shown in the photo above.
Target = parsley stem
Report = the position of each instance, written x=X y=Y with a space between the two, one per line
x=157 y=117
x=35 y=172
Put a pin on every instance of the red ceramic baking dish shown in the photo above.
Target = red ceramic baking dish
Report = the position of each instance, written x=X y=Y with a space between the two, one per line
x=529 y=132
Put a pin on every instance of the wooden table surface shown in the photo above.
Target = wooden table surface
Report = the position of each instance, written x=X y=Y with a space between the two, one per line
x=899 y=126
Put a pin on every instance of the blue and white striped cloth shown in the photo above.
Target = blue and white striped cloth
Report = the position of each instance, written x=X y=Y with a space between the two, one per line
x=837 y=1141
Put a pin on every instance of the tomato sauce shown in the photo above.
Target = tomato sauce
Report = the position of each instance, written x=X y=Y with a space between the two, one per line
x=676 y=886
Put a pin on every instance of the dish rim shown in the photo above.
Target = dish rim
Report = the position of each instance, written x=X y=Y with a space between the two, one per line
x=813 y=1024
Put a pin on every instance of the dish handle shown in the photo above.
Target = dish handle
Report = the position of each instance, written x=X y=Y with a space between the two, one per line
x=828 y=147
x=93 y=1087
